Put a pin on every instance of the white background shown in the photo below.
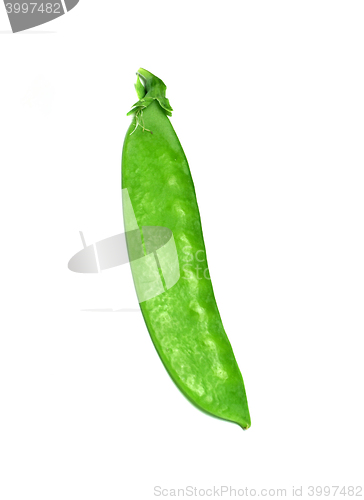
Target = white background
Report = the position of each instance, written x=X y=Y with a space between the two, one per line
x=268 y=104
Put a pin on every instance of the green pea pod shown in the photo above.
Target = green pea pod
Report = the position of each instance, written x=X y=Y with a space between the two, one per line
x=181 y=314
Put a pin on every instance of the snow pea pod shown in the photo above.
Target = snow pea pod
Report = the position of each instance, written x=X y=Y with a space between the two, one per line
x=184 y=322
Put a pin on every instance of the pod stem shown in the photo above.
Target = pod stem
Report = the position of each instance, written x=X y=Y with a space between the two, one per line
x=149 y=88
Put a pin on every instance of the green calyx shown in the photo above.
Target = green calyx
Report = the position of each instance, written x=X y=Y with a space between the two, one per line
x=149 y=88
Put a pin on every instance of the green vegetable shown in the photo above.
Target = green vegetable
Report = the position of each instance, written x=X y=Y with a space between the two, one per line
x=183 y=321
